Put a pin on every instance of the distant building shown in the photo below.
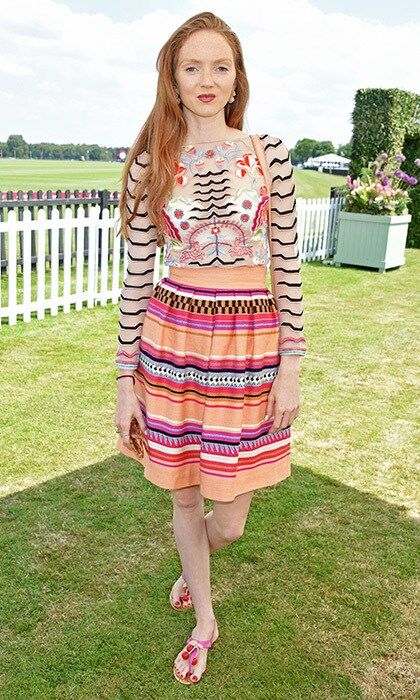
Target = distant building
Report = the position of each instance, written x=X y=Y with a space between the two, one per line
x=330 y=162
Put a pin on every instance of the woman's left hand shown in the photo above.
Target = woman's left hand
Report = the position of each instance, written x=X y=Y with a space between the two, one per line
x=283 y=400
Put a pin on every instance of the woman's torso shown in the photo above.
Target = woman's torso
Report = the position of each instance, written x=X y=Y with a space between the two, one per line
x=217 y=213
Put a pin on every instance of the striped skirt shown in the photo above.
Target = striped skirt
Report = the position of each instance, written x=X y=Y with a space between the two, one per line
x=207 y=360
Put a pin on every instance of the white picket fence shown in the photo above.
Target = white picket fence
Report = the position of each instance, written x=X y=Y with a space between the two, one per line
x=98 y=279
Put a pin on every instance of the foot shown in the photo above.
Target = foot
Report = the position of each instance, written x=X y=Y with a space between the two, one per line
x=199 y=663
x=180 y=594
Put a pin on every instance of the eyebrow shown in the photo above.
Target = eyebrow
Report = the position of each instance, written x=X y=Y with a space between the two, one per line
x=217 y=60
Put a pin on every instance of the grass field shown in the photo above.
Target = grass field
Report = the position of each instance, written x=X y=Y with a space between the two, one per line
x=71 y=175
x=317 y=601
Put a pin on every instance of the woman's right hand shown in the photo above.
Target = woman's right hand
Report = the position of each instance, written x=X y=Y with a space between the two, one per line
x=127 y=409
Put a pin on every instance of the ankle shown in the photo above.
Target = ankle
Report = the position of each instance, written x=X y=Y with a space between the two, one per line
x=206 y=621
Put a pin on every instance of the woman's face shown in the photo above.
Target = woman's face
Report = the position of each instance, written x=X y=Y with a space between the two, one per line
x=205 y=65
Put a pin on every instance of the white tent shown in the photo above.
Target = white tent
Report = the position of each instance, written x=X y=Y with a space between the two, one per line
x=329 y=160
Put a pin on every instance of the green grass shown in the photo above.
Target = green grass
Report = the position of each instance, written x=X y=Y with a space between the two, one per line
x=317 y=601
x=28 y=174
x=71 y=175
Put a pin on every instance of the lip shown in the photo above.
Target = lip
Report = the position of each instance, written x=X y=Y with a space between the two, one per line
x=206 y=98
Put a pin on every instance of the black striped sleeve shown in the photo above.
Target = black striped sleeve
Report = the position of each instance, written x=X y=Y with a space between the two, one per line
x=138 y=282
x=285 y=262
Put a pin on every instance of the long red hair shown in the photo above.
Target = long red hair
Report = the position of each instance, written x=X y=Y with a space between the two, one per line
x=164 y=131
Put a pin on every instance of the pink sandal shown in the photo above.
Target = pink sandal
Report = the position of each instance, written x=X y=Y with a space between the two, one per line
x=190 y=652
x=186 y=597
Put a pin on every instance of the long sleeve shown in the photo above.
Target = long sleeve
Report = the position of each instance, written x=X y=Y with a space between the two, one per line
x=285 y=262
x=138 y=282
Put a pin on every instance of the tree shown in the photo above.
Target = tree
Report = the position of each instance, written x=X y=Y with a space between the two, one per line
x=17 y=147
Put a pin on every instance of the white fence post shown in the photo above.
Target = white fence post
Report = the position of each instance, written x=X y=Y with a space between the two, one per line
x=40 y=264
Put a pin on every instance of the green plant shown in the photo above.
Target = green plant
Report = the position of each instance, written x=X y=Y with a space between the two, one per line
x=382 y=187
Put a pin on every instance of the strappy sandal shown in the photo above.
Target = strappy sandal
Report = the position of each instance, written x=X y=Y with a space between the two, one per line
x=190 y=652
x=185 y=597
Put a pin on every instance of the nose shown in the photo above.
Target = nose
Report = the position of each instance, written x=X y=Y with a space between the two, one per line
x=207 y=79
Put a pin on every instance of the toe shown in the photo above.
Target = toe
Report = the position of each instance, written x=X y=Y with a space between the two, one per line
x=176 y=596
x=199 y=667
x=181 y=665
x=183 y=670
x=186 y=598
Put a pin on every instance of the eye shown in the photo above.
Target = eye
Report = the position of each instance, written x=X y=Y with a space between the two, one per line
x=193 y=67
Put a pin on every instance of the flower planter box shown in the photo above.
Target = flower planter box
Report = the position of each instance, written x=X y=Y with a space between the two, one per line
x=371 y=240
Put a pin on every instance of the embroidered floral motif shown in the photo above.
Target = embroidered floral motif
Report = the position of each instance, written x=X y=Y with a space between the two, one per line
x=180 y=174
x=249 y=163
x=261 y=213
x=222 y=215
x=170 y=230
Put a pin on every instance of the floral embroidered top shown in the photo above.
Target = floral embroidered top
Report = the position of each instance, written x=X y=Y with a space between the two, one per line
x=217 y=214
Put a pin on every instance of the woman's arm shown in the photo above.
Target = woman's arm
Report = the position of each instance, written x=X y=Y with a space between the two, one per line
x=285 y=261
x=138 y=282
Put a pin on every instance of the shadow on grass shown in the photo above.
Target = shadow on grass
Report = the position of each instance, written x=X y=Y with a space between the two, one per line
x=315 y=601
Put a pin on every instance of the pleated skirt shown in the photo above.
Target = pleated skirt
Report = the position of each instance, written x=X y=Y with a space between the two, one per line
x=208 y=356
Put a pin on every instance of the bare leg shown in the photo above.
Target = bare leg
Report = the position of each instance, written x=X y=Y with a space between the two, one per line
x=193 y=546
x=224 y=524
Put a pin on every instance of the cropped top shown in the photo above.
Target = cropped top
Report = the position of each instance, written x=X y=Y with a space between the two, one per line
x=217 y=215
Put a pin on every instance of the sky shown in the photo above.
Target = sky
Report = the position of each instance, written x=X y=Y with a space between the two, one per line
x=76 y=71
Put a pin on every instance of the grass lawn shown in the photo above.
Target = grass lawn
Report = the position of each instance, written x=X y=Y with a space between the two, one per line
x=53 y=175
x=317 y=601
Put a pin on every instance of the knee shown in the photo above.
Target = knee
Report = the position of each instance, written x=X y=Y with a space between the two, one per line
x=187 y=498
x=230 y=531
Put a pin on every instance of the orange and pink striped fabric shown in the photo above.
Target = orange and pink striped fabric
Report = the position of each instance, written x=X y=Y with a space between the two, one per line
x=208 y=356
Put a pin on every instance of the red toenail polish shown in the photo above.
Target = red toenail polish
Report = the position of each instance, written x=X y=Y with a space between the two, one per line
x=193 y=678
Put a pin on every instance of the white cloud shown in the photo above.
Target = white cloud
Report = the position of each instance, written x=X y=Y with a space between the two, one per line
x=13 y=68
x=81 y=77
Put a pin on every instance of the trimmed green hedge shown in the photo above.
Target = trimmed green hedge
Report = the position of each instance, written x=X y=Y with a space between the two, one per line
x=388 y=120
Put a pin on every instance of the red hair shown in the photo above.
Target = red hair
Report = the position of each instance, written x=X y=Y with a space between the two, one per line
x=164 y=131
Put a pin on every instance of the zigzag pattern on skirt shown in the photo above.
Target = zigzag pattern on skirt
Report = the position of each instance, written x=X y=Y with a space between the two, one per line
x=207 y=360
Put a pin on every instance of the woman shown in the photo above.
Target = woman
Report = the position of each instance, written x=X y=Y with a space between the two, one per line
x=208 y=359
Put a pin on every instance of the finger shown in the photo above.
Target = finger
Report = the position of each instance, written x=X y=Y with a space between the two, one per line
x=274 y=427
x=294 y=415
x=286 y=420
x=127 y=443
x=269 y=410
x=141 y=423
x=277 y=422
